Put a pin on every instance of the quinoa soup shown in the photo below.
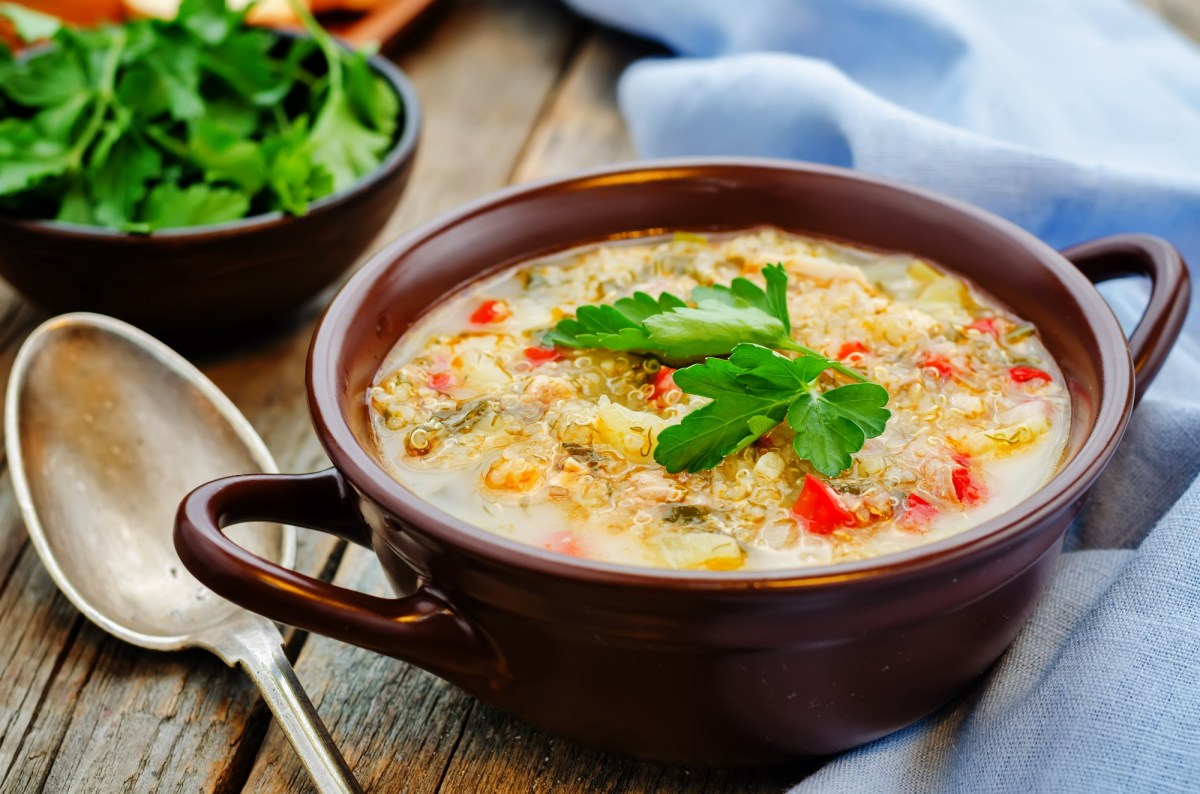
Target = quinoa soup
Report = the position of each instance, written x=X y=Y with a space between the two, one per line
x=555 y=446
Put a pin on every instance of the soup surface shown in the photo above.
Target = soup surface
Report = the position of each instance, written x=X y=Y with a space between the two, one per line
x=555 y=446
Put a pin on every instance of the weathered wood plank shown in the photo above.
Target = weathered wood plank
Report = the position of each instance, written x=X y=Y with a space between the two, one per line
x=43 y=736
x=147 y=721
x=484 y=78
x=36 y=623
x=12 y=542
x=581 y=126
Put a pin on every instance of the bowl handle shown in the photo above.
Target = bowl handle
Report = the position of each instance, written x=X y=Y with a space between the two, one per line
x=423 y=628
x=1170 y=293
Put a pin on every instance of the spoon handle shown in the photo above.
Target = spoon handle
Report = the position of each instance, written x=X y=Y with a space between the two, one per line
x=258 y=647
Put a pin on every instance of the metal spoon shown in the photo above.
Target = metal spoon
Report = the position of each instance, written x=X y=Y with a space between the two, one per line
x=107 y=429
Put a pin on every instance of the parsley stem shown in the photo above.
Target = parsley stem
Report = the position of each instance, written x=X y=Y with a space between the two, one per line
x=791 y=344
x=281 y=118
x=168 y=143
x=333 y=52
x=105 y=94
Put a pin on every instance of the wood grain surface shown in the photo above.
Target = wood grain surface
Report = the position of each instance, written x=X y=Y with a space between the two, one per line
x=512 y=90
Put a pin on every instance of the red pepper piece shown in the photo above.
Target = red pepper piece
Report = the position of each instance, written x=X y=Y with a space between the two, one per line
x=564 y=543
x=919 y=510
x=933 y=361
x=985 y=325
x=440 y=381
x=540 y=355
x=849 y=349
x=490 y=312
x=1026 y=374
x=820 y=507
x=967 y=489
x=663 y=384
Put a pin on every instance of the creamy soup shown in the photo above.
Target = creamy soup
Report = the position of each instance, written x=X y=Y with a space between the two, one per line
x=555 y=446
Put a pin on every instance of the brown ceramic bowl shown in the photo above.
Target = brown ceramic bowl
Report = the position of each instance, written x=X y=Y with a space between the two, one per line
x=211 y=279
x=696 y=667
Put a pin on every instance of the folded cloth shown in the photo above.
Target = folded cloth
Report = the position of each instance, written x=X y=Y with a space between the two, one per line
x=1074 y=119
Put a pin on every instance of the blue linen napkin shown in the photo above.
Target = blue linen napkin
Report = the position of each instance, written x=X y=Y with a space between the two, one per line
x=1074 y=119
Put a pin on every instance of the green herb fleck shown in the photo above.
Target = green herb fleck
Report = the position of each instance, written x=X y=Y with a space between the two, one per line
x=685 y=514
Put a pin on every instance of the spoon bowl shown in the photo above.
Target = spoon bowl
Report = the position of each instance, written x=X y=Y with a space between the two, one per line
x=106 y=430
x=104 y=467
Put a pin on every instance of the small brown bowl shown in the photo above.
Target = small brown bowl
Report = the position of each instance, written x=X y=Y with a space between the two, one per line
x=698 y=667
x=211 y=280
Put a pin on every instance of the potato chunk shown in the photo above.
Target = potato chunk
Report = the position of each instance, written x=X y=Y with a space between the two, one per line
x=631 y=433
x=709 y=550
x=1019 y=427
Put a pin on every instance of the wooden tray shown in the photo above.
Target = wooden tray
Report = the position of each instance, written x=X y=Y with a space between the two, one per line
x=384 y=24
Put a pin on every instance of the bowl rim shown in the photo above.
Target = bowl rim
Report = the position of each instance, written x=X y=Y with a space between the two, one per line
x=399 y=154
x=1114 y=398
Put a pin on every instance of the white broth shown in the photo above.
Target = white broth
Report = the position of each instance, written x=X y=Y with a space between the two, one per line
x=554 y=447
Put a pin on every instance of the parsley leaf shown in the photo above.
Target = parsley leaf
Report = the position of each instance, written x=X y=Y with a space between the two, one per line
x=743 y=292
x=677 y=333
x=372 y=99
x=226 y=156
x=170 y=206
x=26 y=157
x=764 y=371
x=47 y=80
x=294 y=177
x=343 y=143
x=732 y=421
x=620 y=326
x=831 y=426
x=712 y=328
x=756 y=389
x=170 y=75
x=76 y=207
x=122 y=181
x=208 y=21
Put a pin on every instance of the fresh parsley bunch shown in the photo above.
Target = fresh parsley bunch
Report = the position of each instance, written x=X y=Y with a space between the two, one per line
x=753 y=390
x=160 y=124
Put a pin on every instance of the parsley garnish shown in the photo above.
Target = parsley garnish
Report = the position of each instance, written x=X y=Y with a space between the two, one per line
x=753 y=390
x=756 y=389
x=201 y=119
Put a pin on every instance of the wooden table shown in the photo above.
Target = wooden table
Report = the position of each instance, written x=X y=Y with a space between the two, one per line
x=512 y=91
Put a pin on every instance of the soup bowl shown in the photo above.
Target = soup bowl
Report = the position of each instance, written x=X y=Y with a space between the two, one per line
x=727 y=668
